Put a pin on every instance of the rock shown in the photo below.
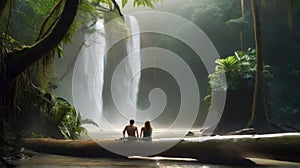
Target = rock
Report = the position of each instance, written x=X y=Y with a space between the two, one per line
x=190 y=133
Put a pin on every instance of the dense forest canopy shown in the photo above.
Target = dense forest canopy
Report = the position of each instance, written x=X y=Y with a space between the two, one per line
x=34 y=31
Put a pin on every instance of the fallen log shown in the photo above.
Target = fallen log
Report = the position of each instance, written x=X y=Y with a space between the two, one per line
x=245 y=131
x=230 y=149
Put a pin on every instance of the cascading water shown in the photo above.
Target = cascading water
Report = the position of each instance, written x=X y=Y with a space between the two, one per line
x=122 y=58
x=88 y=75
x=94 y=69
x=134 y=62
x=106 y=82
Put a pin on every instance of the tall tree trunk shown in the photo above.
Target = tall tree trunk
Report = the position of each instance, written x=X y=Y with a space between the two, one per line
x=18 y=61
x=3 y=110
x=242 y=27
x=3 y=84
x=259 y=115
x=3 y=4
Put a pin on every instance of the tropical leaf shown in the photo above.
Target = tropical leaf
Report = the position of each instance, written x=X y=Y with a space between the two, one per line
x=60 y=51
x=227 y=63
x=238 y=21
x=124 y=2
x=88 y=121
x=239 y=69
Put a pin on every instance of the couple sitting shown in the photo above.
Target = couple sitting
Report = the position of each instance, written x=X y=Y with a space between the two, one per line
x=132 y=131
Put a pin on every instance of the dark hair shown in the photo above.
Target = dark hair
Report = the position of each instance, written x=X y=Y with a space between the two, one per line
x=131 y=122
x=148 y=125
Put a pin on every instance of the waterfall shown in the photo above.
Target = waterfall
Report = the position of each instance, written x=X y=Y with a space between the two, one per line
x=87 y=80
x=134 y=62
x=94 y=68
x=122 y=73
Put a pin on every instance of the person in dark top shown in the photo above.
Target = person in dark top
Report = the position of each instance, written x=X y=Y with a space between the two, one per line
x=146 y=131
x=131 y=130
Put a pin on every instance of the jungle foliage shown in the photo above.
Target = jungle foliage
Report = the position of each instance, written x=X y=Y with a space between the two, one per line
x=220 y=19
x=239 y=70
x=239 y=80
x=32 y=58
x=69 y=122
x=280 y=21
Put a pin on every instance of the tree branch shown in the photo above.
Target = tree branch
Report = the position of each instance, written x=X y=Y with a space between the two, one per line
x=57 y=5
x=102 y=8
x=20 y=60
x=117 y=7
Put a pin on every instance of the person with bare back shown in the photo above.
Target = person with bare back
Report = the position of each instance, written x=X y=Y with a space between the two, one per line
x=131 y=130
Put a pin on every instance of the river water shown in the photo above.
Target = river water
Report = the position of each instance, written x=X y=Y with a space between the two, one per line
x=57 y=161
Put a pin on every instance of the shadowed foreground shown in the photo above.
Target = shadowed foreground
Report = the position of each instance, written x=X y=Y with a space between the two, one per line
x=231 y=149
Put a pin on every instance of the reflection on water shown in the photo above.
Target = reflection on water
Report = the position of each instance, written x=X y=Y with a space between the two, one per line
x=56 y=161
x=157 y=134
x=166 y=133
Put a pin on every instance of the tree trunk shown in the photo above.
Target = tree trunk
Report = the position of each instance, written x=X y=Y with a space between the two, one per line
x=259 y=115
x=3 y=4
x=242 y=27
x=19 y=60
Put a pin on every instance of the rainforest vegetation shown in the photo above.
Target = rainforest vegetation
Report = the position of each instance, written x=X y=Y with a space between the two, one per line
x=258 y=41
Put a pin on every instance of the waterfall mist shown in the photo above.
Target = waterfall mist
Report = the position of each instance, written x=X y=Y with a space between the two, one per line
x=123 y=57
x=93 y=72
x=88 y=75
x=123 y=72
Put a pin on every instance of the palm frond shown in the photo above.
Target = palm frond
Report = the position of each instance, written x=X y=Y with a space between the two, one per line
x=89 y=121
